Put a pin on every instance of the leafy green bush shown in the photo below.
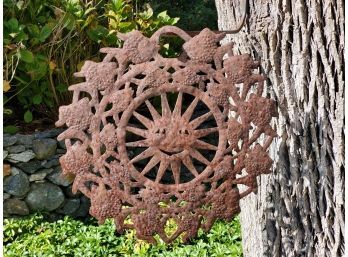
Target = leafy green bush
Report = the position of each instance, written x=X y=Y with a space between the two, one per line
x=34 y=236
x=46 y=41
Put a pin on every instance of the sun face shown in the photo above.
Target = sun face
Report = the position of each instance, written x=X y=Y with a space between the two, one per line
x=172 y=138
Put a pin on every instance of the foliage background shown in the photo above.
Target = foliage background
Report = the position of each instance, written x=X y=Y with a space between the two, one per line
x=45 y=42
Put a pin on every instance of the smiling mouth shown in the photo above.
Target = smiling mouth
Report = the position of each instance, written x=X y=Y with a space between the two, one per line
x=171 y=152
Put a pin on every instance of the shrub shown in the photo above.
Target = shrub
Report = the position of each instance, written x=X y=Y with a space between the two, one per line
x=34 y=236
x=46 y=41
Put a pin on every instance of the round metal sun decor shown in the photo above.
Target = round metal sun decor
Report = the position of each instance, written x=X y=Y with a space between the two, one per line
x=152 y=139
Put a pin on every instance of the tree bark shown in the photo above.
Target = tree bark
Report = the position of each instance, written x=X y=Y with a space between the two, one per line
x=299 y=208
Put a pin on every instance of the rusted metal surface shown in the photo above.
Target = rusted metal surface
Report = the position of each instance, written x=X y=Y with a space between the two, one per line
x=152 y=138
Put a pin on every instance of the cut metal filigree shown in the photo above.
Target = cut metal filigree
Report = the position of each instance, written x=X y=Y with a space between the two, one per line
x=153 y=139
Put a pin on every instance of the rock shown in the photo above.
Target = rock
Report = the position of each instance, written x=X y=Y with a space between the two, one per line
x=17 y=184
x=40 y=175
x=16 y=206
x=26 y=140
x=68 y=192
x=44 y=148
x=6 y=170
x=51 y=163
x=4 y=155
x=62 y=151
x=9 y=140
x=30 y=167
x=53 y=217
x=15 y=148
x=44 y=197
x=70 y=206
x=21 y=157
x=62 y=144
x=6 y=196
x=58 y=178
x=83 y=210
x=52 y=133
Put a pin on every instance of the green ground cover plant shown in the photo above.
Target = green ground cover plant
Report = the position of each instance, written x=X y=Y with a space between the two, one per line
x=34 y=237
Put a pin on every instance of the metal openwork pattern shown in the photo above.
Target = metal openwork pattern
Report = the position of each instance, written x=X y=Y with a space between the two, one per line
x=152 y=138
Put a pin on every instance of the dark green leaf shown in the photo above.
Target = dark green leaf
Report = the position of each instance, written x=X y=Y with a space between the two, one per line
x=62 y=88
x=45 y=32
x=28 y=116
x=12 y=24
x=26 y=56
x=11 y=129
x=37 y=99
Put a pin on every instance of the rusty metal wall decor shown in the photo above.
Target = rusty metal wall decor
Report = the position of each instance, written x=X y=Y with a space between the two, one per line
x=152 y=138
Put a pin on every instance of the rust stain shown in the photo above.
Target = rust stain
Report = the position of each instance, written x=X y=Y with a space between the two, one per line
x=152 y=138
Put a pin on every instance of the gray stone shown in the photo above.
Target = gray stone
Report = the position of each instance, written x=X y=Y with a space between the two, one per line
x=62 y=151
x=5 y=154
x=51 y=163
x=62 y=144
x=20 y=157
x=58 y=178
x=44 y=197
x=15 y=148
x=44 y=148
x=52 y=133
x=17 y=184
x=30 y=167
x=26 y=140
x=68 y=192
x=70 y=206
x=83 y=210
x=9 y=140
x=15 y=206
x=6 y=196
x=53 y=217
x=40 y=175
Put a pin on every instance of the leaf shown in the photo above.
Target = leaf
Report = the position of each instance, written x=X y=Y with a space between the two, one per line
x=28 y=116
x=90 y=9
x=26 y=55
x=62 y=88
x=11 y=129
x=8 y=111
x=37 y=99
x=12 y=24
x=45 y=32
x=175 y=20
x=6 y=86
x=163 y=15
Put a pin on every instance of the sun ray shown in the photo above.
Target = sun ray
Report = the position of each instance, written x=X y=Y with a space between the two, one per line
x=145 y=121
x=198 y=156
x=152 y=163
x=178 y=106
x=204 y=132
x=166 y=112
x=175 y=165
x=200 y=144
x=162 y=168
x=198 y=121
x=137 y=131
x=189 y=165
x=145 y=154
x=154 y=113
x=189 y=111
